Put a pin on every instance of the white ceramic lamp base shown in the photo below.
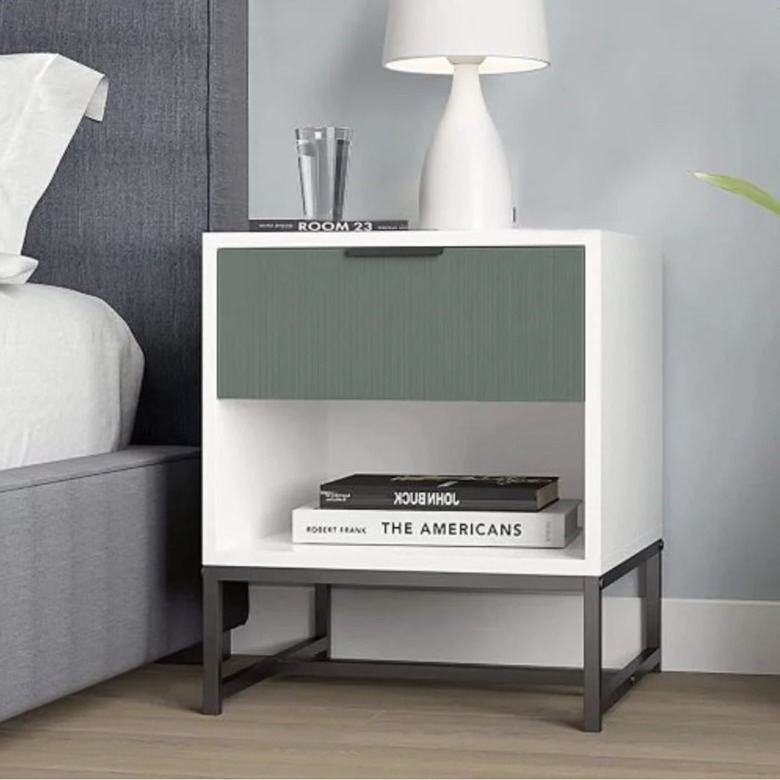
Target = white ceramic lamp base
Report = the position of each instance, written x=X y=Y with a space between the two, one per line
x=465 y=182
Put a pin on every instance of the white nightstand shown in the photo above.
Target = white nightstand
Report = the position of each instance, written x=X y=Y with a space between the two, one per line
x=436 y=352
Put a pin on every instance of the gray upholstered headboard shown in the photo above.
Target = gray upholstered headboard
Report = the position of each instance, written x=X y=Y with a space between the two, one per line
x=124 y=216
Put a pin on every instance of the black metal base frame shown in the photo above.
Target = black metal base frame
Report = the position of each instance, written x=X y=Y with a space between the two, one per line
x=602 y=688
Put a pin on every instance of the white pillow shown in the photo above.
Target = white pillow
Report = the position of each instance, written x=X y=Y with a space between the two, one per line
x=44 y=99
x=16 y=269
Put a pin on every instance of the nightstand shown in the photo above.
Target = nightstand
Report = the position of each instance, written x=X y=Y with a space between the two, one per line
x=439 y=352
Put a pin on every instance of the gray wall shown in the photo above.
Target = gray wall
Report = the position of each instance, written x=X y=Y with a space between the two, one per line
x=640 y=92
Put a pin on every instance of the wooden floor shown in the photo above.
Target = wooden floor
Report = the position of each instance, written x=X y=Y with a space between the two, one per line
x=146 y=724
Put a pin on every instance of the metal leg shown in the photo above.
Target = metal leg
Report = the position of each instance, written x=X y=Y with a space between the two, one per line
x=652 y=605
x=212 y=643
x=322 y=618
x=593 y=684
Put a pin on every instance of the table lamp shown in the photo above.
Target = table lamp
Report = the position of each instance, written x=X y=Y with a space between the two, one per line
x=466 y=184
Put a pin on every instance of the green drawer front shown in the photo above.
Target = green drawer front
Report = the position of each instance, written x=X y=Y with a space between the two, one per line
x=486 y=324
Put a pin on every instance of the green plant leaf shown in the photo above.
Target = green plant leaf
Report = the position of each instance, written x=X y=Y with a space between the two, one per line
x=743 y=188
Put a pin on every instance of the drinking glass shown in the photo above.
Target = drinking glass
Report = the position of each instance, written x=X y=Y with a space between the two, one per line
x=323 y=159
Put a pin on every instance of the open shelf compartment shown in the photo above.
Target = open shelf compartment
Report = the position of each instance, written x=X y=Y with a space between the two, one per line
x=281 y=451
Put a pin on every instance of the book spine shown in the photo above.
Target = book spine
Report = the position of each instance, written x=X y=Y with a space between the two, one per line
x=421 y=501
x=345 y=527
x=324 y=226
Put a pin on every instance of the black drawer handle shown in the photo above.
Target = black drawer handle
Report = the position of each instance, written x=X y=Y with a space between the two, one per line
x=394 y=251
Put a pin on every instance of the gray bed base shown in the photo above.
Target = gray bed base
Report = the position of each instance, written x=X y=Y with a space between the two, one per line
x=99 y=570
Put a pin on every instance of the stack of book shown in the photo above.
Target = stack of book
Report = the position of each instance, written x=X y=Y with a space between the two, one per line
x=438 y=511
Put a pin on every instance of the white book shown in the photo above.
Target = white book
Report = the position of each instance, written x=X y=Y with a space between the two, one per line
x=554 y=526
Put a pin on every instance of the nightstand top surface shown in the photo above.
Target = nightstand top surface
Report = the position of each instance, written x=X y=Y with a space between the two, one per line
x=591 y=239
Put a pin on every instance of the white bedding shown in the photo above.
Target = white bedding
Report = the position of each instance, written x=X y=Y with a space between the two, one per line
x=70 y=375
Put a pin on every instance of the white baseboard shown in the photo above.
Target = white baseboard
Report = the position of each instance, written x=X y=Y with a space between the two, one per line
x=740 y=637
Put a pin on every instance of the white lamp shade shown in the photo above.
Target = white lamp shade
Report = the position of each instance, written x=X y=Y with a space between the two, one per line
x=425 y=36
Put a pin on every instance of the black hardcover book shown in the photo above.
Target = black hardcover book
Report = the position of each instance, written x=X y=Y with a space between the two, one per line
x=434 y=492
x=323 y=226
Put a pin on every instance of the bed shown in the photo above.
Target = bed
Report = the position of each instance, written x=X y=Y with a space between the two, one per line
x=100 y=469
x=71 y=376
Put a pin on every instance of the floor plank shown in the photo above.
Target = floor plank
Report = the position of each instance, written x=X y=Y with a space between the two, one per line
x=147 y=724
